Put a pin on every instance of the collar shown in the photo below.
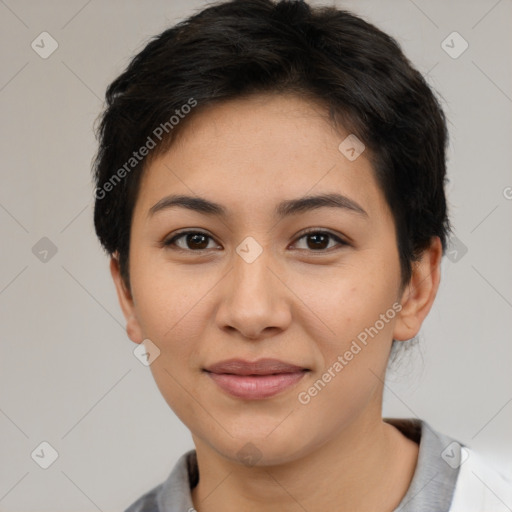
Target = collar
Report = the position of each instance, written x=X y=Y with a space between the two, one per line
x=433 y=482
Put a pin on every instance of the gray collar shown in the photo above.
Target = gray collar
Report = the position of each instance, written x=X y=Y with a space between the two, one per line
x=431 y=488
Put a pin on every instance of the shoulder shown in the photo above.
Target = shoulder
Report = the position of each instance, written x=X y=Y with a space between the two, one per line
x=174 y=494
x=482 y=485
x=147 y=502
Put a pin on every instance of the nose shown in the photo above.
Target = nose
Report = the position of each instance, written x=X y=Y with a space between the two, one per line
x=254 y=300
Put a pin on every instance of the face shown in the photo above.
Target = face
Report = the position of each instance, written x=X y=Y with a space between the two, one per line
x=318 y=288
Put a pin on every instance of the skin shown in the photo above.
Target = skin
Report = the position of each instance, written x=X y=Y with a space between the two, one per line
x=296 y=303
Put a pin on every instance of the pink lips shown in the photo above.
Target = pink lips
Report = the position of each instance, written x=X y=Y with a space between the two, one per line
x=255 y=380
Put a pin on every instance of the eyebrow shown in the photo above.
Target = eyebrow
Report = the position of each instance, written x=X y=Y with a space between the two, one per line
x=284 y=209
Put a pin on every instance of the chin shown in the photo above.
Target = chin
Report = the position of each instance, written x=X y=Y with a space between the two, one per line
x=265 y=446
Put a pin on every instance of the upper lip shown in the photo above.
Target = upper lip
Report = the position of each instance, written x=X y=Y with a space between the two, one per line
x=259 y=367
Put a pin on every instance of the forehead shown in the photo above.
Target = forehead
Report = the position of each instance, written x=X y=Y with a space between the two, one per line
x=253 y=152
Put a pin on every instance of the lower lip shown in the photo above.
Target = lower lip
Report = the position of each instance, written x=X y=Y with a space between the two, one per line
x=255 y=387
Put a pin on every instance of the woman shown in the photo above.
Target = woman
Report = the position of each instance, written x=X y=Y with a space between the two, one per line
x=270 y=187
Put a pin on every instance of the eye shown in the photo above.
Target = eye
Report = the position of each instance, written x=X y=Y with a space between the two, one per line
x=319 y=240
x=198 y=241
x=194 y=241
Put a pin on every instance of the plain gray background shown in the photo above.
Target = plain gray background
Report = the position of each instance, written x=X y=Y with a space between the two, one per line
x=68 y=375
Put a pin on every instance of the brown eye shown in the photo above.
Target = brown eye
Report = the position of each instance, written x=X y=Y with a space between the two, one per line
x=192 y=241
x=198 y=241
x=319 y=240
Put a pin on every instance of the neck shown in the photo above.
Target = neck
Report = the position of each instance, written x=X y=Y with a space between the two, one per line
x=368 y=466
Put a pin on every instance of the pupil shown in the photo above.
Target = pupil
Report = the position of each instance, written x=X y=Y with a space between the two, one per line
x=193 y=239
x=316 y=237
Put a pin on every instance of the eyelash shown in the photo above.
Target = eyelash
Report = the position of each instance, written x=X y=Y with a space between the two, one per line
x=170 y=243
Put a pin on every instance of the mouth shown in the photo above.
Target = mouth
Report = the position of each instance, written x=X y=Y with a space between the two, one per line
x=255 y=380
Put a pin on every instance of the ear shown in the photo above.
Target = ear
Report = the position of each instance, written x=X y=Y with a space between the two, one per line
x=133 y=328
x=418 y=296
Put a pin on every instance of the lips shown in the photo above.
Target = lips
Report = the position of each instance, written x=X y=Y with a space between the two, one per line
x=260 y=367
x=255 y=380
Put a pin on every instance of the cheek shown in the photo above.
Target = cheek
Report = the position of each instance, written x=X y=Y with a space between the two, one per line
x=346 y=302
x=353 y=338
x=172 y=314
x=174 y=310
x=354 y=359
x=166 y=298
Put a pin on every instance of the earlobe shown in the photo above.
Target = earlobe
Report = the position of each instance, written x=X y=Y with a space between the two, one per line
x=126 y=302
x=419 y=294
